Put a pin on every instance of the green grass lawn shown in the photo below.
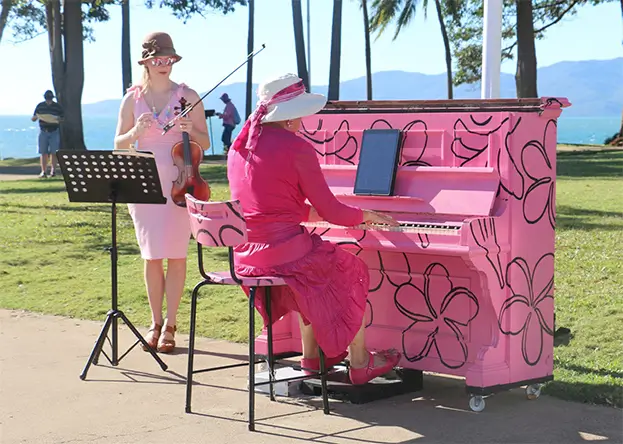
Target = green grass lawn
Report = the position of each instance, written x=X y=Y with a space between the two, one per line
x=55 y=261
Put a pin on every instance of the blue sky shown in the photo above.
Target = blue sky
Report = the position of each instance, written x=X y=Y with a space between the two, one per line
x=214 y=45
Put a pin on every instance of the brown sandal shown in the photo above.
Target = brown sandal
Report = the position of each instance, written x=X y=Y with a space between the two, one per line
x=167 y=345
x=152 y=340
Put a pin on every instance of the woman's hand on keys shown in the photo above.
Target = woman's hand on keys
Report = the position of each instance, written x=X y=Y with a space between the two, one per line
x=373 y=217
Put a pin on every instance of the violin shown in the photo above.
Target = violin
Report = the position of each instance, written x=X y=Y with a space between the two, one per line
x=187 y=156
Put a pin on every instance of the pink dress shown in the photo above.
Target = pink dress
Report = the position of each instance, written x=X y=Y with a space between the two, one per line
x=327 y=285
x=162 y=231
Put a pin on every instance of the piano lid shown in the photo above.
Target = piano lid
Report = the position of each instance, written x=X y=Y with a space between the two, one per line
x=464 y=105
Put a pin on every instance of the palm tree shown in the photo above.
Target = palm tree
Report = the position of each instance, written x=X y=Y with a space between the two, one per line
x=250 y=63
x=126 y=62
x=366 y=30
x=299 y=41
x=525 y=76
x=403 y=11
x=336 y=47
x=5 y=7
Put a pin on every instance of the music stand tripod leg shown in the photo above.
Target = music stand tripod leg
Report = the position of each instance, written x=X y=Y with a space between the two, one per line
x=142 y=340
x=97 y=348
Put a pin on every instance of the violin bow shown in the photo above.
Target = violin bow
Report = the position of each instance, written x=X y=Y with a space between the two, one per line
x=188 y=109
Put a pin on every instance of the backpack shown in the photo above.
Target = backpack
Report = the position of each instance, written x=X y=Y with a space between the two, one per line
x=237 y=119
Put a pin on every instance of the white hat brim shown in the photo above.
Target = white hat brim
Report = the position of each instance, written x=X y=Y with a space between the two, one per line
x=300 y=106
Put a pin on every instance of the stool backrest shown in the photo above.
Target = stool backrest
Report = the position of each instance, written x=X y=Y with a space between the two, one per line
x=216 y=224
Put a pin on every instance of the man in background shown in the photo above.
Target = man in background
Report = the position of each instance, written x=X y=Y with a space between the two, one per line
x=49 y=113
x=231 y=118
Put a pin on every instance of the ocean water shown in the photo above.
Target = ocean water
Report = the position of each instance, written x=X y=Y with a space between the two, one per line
x=18 y=135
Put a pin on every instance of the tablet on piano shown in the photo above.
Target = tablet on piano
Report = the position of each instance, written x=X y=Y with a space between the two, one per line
x=378 y=162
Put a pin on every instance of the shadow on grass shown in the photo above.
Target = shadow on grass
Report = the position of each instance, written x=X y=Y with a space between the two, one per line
x=122 y=249
x=588 y=371
x=77 y=208
x=597 y=164
x=36 y=189
x=579 y=218
x=603 y=394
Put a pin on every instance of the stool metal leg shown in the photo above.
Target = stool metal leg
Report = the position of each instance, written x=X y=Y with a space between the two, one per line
x=252 y=359
x=191 y=345
x=323 y=382
x=271 y=357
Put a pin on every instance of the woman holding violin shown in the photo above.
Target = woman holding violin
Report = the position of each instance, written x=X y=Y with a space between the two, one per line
x=162 y=231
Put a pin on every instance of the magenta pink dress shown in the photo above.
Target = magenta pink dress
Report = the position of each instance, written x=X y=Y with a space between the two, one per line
x=327 y=285
x=162 y=231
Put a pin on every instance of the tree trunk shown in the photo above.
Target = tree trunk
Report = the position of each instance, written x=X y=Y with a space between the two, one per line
x=251 y=30
x=336 y=44
x=73 y=137
x=55 y=45
x=299 y=41
x=446 y=44
x=525 y=77
x=126 y=61
x=366 y=29
x=4 y=14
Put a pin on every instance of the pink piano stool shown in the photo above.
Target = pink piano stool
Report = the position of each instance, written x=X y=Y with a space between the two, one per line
x=477 y=301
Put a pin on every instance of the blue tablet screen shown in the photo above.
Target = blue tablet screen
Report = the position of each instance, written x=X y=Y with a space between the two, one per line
x=378 y=162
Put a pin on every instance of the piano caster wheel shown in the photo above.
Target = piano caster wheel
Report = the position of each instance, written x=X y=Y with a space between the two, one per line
x=533 y=391
x=477 y=403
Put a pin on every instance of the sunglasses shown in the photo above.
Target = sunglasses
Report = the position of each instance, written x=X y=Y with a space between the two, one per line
x=162 y=61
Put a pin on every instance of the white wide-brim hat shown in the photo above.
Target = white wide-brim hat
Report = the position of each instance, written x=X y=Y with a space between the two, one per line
x=302 y=105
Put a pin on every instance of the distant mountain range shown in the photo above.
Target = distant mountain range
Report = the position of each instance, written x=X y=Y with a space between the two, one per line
x=594 y=88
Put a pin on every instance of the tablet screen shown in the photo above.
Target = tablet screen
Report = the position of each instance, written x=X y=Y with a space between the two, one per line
x=378 y=162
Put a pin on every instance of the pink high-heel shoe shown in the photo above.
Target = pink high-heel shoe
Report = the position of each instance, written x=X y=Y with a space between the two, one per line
x=311 y=366
x=363 y=375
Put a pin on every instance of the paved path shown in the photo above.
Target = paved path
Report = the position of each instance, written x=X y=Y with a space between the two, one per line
x=42 y=401
x=19 y=173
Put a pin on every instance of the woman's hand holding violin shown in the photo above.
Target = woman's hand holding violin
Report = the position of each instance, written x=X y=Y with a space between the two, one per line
x=185 y=124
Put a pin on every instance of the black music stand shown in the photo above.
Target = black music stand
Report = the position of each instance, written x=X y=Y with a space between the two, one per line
x=115 y=177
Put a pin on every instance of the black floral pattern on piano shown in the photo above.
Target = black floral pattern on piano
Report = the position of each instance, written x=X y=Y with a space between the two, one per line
x=513 y=181
x=468 y=147
x=485 y=236
x=413 y=160
x=522 y=313
x=540 y=199
x=417 y=161
x=424 y=240
x=448 y=318
x=346 y=152
x=370 y=316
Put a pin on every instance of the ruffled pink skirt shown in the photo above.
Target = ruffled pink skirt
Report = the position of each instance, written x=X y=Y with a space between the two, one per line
x=328 y=287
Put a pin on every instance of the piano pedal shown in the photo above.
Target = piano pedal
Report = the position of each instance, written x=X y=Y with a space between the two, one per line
x=398 y=382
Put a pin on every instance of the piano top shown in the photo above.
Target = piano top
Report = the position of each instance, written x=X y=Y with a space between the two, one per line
x=463 y=105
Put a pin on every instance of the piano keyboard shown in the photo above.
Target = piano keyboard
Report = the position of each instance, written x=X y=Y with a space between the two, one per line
x=405 y=227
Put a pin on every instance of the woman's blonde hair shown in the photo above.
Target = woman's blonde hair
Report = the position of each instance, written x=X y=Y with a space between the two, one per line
x=145 y=79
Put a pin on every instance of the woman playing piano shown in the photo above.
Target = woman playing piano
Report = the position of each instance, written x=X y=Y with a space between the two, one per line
x=272 y=172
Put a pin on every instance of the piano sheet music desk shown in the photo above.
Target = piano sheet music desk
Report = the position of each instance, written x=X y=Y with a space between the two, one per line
x=466 y=287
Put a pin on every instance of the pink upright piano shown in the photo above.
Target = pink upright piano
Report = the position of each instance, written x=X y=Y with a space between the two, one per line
x=465 y=286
